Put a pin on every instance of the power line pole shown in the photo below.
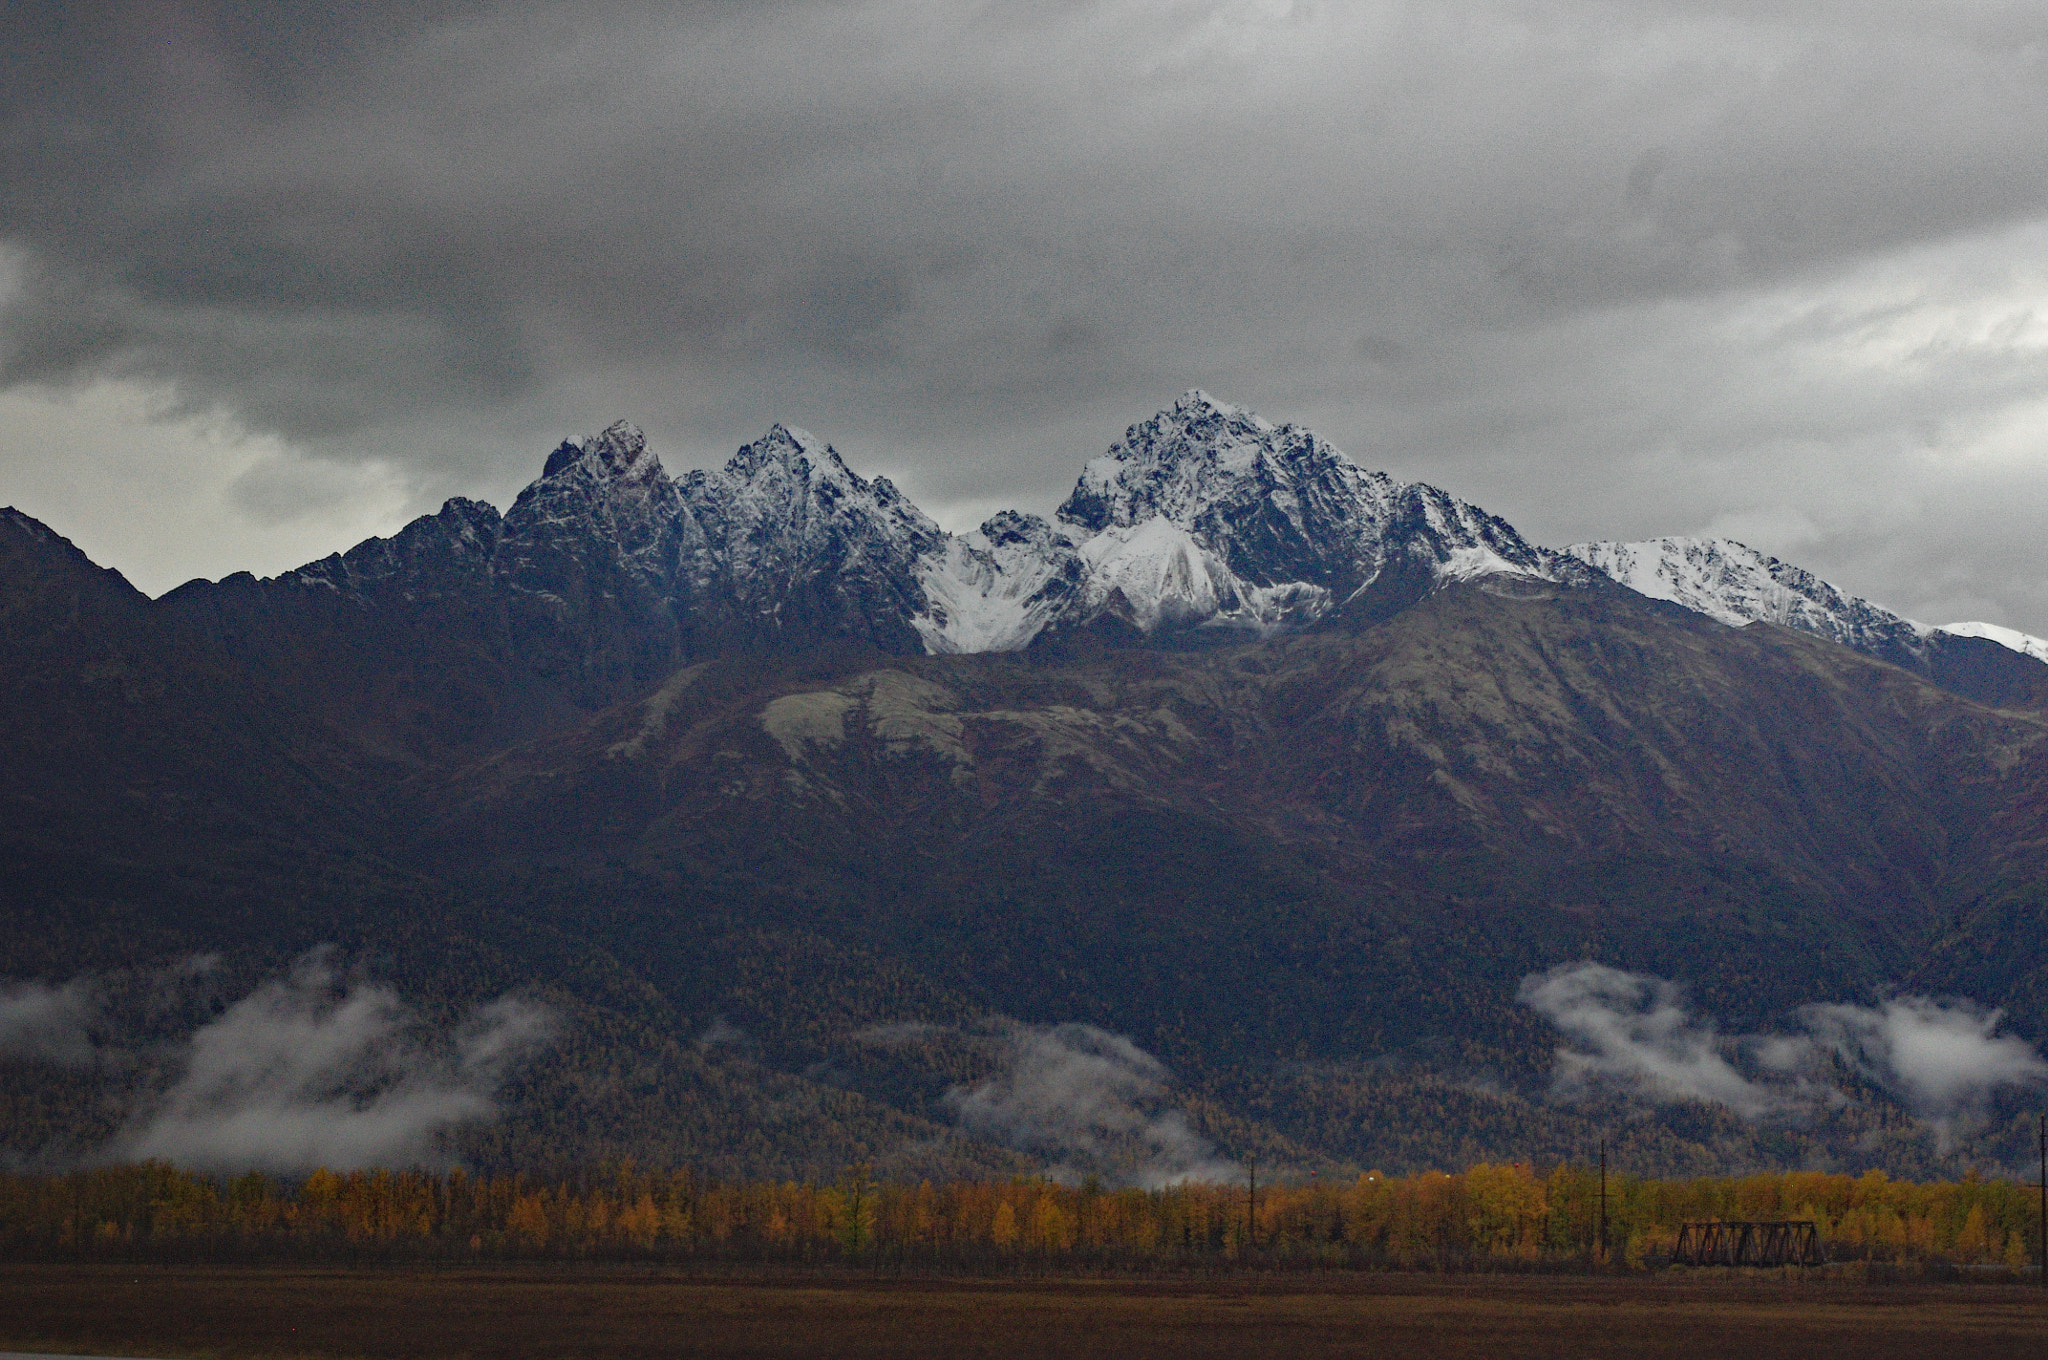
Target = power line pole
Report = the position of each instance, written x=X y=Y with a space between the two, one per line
x=1603 y=1201
x=2044 y=1201
x=1251 y=1203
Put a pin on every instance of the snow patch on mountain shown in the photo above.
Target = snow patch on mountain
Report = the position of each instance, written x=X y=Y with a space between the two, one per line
x=1470 y=563
x=996 y=589
x=1163 y=574
x=2024 y=643
x=1737 y=585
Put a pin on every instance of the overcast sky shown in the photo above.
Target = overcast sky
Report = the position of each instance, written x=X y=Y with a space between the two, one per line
x=276 y=277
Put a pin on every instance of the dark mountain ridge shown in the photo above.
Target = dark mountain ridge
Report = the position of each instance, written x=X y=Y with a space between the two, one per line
x=762 y=747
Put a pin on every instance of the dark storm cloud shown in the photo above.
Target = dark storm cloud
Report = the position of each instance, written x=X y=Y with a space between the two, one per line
x=1519 y=248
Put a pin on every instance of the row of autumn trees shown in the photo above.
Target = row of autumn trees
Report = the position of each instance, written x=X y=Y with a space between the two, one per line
x=1488 y=1216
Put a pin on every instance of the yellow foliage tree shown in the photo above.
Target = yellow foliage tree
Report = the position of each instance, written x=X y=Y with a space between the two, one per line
x=1003 y=1228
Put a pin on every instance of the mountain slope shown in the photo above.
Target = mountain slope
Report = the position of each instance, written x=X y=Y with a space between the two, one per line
x=1735 y=584
x=1077 y=834
x=782 y=795
x=122 y=737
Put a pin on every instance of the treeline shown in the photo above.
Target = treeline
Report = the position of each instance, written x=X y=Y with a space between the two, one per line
x=1490 y=1216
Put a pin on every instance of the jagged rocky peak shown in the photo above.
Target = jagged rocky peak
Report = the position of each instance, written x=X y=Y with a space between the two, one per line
x=1016 y=529
x=1280 y=509
x=1167 y=465
x=790 y=493
x=1208 y=516
x=473 y=521
x=602 y=503
x=433 y=554
x=1200 y=460
x=617 y=452
x=788 y=450
x=1205 y=516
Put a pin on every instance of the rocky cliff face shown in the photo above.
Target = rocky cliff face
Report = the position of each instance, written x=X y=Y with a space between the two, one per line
x=793 y=547
x=585 y=566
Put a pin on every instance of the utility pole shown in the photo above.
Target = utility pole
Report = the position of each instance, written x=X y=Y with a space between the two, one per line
x=1603 y=1201
x=1251 y=1203
x=2044 y=1201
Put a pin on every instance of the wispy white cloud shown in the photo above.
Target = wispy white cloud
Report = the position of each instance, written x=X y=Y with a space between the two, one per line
x=1634 y=1034
x=307 y=1070
x=1943 y=1058
x=46 y=1023
x=310 y=1071
x=1090 y=1099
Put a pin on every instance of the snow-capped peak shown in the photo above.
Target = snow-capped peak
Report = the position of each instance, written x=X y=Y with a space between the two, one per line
x=792 y=451
x=789 y=479
x=786 y=518
x=1195 y=455
x=1196 y=404
x=1207 y=515
x=1204 y=516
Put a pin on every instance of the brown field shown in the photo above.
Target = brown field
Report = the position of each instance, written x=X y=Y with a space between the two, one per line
x=236 y=1312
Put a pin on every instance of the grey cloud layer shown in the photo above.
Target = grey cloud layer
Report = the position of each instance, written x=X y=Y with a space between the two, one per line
x=1523 y=249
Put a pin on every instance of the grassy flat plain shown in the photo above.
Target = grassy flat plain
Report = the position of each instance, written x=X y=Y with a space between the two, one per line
x=237 y=1312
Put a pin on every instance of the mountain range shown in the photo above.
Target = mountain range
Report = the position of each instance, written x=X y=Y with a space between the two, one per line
x=809 y=819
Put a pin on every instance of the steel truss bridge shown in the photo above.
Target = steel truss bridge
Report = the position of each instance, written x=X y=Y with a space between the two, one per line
x=1785 y=1243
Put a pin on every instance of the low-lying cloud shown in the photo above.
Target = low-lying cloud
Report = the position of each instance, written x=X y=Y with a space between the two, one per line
x=1632 y=1034
x=1633 y=1031
x=49 y=1024
x=1944 y=1059
x=305 y=1072
x=1090 y=1099
x=308 y=1070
